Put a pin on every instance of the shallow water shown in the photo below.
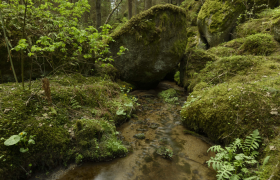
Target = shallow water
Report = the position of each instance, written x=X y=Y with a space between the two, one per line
x=160 y=122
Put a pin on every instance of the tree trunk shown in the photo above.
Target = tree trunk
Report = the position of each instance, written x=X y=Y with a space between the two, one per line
x=135 y=7
x=148 y=4
x=98 y=14
x=129 y=9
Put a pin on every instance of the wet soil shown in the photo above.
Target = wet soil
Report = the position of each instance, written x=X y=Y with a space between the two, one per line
x=161 y=125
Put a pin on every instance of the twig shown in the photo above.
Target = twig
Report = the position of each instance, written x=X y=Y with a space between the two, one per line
x=110 y=15
x=7 y=42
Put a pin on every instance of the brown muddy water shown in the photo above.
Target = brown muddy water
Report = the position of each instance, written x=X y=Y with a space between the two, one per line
x=160 y=122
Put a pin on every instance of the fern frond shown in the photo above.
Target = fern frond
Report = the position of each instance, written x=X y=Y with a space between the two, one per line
x=251 y=142
x=265 y=161
x=216 y=148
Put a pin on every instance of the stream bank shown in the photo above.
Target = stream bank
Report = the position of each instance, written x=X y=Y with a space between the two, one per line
x=160 y=123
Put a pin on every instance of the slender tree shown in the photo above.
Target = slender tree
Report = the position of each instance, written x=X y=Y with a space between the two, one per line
x=98 y=14
x=148 y=4
x=116 y=5
x=129 y=9
x=135 y=7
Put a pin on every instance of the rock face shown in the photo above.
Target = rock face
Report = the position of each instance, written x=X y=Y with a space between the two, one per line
x=156 y=41
x=217 y=19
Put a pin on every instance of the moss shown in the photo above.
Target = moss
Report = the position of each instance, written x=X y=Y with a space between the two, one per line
x=177 y=77
x=262 y=23
x=192 y=8
x=220 y=12
x=136 y=24
x=196 y=60
x=169 y=93
x=271 y=169
x=66 y=132
x=258 y=44
x=230 y=110
x=236 y=69
x=139 y=136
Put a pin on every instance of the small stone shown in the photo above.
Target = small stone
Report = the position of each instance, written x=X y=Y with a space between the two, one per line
x=139 y=136
x=51 y=125
x=272 y=148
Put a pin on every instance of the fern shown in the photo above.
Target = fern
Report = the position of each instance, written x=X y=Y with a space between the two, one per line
x=232 y=166
x=251 y=142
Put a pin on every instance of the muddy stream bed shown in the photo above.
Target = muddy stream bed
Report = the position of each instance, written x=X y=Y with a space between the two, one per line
x=161 y=125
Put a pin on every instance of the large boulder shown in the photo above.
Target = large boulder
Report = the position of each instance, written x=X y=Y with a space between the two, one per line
x=217 y=19
x=233 y=96
x=156 y=40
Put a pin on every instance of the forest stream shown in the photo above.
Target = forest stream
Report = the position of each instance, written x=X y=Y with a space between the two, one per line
x=161 y=124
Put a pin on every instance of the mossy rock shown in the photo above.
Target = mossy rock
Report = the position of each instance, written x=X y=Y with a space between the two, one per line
x=256 y=44
x=217 y=19
x=156 y=40
x=233 y=96
x=194 y=61
x=73 y=132
x=264 y=22
x=192 y=7
x=230 y=110
x=139 y=136
x=241 y=69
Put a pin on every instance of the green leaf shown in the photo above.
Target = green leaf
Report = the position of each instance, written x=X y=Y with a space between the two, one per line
x=265 y=161
x=22 y=150
x=12 y=140
x=31 y=141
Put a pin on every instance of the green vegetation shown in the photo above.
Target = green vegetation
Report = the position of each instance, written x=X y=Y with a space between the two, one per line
x=235 y=160
x=164 y=152
x=139 y=136
x=169 y=96
x=79 y=125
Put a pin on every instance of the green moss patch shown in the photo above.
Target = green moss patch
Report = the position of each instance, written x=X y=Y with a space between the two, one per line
x=195 y=60
x=263 y=23
x=271 y=169
x=256 y=44
x=169 y=95
x=79 y=125
x=230 y=110
x=221 y=12
x=240 y=69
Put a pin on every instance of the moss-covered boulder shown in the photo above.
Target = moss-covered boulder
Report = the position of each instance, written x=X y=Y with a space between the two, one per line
x=217 y=19
x=233 y=96
x=79 y=124
x=156 y=41
x=257 y=44
x=194 y=61
x=263 y=22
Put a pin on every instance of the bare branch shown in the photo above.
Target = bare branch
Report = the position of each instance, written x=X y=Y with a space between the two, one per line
x=110 y=15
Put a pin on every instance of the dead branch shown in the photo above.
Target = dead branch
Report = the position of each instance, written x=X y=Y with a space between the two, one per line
x=110 y=15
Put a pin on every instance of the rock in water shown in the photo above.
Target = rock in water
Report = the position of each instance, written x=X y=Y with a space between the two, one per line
x=156 y=40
